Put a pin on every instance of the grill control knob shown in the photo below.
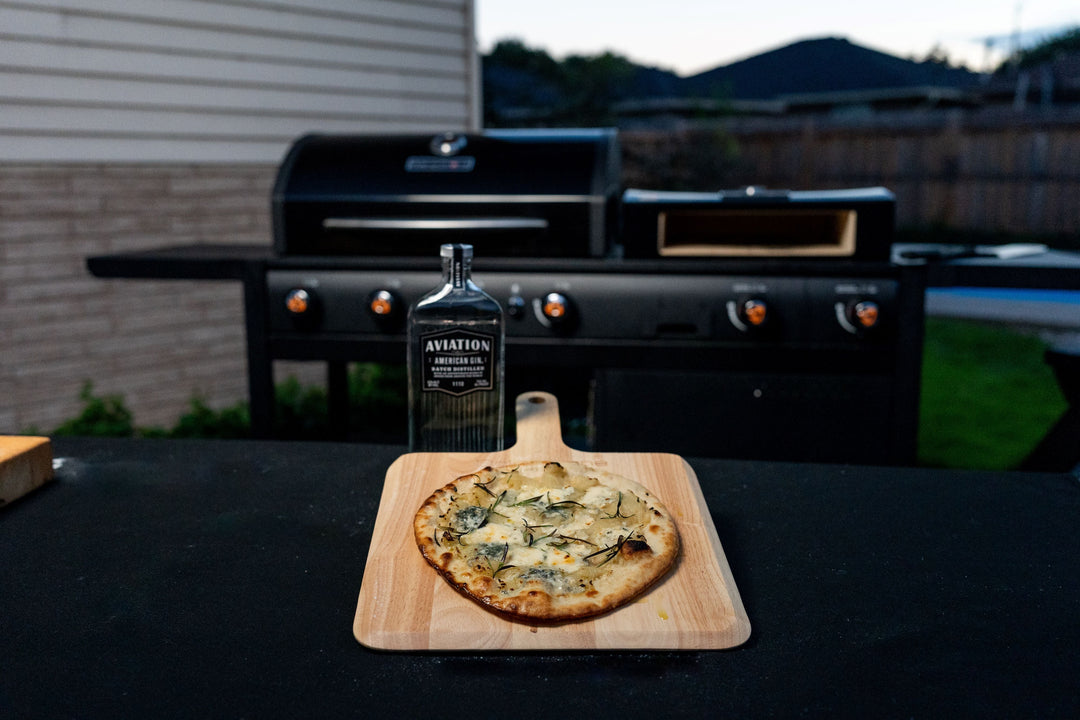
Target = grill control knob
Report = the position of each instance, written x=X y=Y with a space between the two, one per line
x=384 y=307
x=556 y=311
x=865 y=314
x=555 y=307
x=299 y=302
x=858 y=316
x=302 y=305
x=754 y=312
x=381 y=303
x=749 y=314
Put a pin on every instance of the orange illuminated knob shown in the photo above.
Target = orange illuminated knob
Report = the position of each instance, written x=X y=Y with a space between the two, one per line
x=755 y=313
x=555 y=307
x=298 y=301
x=384 y=308
x=865 y=314
x=381 y=303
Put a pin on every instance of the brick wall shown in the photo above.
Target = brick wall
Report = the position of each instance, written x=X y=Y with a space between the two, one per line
x=158 y=343
x=139 y=124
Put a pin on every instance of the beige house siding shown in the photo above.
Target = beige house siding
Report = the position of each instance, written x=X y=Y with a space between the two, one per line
x=134 y=124
x=146 y=81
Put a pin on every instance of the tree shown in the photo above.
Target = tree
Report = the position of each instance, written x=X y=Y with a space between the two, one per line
x=592 y=86
x=516 y=55
x=1064 y=43
x=518 y=79
x=523 y=84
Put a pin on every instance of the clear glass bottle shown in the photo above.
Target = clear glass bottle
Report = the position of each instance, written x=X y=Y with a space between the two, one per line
x=455 y=360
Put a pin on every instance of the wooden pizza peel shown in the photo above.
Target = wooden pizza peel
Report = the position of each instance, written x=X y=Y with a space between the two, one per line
x=405 y=605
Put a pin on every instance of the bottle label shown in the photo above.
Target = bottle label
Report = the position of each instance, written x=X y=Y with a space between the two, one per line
x=457 y=362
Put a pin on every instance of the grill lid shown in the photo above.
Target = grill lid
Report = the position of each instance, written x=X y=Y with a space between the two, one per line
x=540 y=193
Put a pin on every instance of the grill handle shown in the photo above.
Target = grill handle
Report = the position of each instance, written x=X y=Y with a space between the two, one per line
x=435 y=224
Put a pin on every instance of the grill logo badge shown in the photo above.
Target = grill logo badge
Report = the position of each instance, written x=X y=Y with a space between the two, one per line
x=444 y=158
x=428 y=164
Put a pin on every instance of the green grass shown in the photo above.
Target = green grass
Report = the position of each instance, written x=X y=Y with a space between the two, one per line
x=987 y=395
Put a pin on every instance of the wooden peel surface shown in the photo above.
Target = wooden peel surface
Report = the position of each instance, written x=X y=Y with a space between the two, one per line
x=405 y=605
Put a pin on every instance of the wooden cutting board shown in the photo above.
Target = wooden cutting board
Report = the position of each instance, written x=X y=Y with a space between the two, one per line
x=25 y=464
x=405 y=605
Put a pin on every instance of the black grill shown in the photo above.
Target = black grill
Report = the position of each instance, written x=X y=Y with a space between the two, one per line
x=751 y=323
x=510 y=194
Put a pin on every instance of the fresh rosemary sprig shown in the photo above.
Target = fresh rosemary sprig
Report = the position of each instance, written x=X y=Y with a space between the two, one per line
x=543 y=537
x=562 y=508
x=571 y=538
x=527 y=533
x=618 y=510
x=611 y=551
x=568 y=539
x=498 y=499
x=608 y=552
x=484 y=485
x=495 y=570
x=546 y=506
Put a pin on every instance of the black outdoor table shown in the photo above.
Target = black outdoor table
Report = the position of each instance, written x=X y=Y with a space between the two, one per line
x=218 y=579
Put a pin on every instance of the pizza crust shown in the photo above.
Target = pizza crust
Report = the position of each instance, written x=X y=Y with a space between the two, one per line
x=546 y=541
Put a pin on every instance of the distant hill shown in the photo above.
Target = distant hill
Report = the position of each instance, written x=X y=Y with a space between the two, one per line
x=522 y=83
x=823 y=65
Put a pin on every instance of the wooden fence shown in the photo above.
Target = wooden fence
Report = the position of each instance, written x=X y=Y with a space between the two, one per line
x=988 y=171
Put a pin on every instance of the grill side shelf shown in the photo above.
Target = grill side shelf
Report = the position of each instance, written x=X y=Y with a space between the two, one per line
x=182 y=262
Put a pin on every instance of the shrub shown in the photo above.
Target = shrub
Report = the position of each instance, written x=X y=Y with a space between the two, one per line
x=377 y=401
x=101 y=416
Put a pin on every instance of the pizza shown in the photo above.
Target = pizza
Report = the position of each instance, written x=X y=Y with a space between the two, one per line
x=547 y=541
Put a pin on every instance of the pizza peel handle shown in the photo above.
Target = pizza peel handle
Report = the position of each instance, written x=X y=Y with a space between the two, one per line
x=539 y=431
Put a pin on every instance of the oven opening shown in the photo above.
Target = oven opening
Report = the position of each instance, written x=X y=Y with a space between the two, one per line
x=422 y=235
x=747 y=232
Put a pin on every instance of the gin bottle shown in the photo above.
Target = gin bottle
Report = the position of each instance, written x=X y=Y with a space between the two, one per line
x=455 y=359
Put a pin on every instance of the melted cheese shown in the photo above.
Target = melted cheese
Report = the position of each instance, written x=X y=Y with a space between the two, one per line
x=551 y=528
x=547 y=539
x=494 y=533
x=524 y=556
x=600 y=495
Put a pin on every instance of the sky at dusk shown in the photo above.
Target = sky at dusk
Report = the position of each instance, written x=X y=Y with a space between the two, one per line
x=690 y=36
